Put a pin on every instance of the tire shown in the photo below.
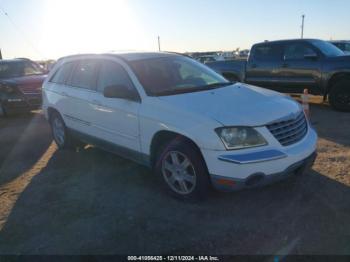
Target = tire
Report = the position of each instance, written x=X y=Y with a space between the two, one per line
x=182 y=170
x=2 y=111
x=339 y=96
x=60 y=132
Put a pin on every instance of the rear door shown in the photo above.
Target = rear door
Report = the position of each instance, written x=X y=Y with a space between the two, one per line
x=82 y=84
x=262 y=66
x=301 y=67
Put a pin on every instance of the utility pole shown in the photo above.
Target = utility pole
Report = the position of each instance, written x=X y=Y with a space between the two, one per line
x=159 y=43
x=0 y=55
x=302 y=26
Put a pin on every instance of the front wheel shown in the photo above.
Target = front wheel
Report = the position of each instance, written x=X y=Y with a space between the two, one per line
x=182 y=170
x=339 y=96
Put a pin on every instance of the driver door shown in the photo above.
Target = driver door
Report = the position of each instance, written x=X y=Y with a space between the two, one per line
x=300 y=68
x=115 y=119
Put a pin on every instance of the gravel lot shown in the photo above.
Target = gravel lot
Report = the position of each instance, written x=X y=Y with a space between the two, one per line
x=93 y=202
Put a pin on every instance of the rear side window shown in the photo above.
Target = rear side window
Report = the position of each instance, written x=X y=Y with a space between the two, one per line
x=267 y=52
x=84 y=74
x=297 y=51
x=112 y=74
x=62 y=74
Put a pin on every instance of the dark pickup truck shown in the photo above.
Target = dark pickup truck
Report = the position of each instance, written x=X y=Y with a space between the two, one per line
x=290 y=66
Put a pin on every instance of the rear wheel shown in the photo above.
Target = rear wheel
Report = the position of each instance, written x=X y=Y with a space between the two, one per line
x=2 y=110
x=339 y=96
x=182 y=170
x=60 y=132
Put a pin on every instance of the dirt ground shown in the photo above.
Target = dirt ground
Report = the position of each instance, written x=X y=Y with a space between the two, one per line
x=93 y=202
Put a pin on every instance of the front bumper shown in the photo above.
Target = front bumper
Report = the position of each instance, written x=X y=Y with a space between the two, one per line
x=261 y=179
x=21 y=103
x=235 y=170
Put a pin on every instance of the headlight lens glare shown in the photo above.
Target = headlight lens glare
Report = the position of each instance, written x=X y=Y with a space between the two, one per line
x=240 y=137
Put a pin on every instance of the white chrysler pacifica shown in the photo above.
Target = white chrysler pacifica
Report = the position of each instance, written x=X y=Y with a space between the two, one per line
x=177 y=116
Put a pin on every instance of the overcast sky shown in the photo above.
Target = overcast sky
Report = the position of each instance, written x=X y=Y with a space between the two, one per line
x=54 y=28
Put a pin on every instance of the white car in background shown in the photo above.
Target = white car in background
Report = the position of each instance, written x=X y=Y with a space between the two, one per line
x=177 y=116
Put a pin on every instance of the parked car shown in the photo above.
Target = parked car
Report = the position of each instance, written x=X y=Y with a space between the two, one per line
x=209 y=58
x=20 y=86
x=293 y=65
x=342 y=45
x=177 y=116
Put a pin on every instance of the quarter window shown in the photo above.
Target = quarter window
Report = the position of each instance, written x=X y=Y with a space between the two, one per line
x=84 y=75
x=62 y=74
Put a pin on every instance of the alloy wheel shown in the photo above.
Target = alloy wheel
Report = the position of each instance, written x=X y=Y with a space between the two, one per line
x=179 y=172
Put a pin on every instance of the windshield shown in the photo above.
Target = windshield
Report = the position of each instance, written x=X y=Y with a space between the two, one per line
x=327 y=49
x=175 y=75
x=10 y=69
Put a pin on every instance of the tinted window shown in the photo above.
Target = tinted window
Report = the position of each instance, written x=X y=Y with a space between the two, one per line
x=267 y=52
x=297 y=51
x=327 y=48
x=84 y=74
x=9 y=69
x=175 y=75
x=112 y=74
x=62 y=74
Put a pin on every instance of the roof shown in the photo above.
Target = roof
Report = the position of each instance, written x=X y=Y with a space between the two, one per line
x=288 y=40
x=14 y=60
x=129 y=56
x=340 y=41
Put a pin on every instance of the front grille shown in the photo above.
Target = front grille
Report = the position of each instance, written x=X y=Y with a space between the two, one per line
x=30 y=90
x=289 y=131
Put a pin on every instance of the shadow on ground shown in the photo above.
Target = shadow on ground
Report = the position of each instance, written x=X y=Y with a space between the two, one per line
x=93 y=202
x=22 y=142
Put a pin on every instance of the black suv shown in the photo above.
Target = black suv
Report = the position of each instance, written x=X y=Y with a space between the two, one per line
x=20 y=85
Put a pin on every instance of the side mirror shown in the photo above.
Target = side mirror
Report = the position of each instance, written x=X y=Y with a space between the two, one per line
x=120 y=91
x=311 y=56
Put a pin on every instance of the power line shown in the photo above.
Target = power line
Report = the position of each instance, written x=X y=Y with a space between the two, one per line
x=21 y=32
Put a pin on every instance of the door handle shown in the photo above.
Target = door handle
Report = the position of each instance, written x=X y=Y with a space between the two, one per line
x=285 y=65
x=64 y=93
x=254 y=66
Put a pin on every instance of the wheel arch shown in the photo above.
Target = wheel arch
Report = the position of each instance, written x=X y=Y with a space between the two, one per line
x=50 y=111
x=165 y=136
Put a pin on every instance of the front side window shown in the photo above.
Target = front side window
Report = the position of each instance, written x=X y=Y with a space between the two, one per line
x=9 y=69
x=174 y=75
x=84 y=74
x=270 y=52
x=327 y=48
x=113 y=74
x=297 y=51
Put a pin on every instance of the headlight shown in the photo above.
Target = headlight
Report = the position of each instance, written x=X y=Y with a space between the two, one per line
x=240 y=137
x=6 y=88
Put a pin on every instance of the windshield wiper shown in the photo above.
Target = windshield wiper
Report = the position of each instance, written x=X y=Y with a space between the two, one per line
x=216 y=85
x=192 y=89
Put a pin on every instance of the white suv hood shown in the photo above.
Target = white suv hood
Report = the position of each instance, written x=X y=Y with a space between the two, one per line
x=237 y=104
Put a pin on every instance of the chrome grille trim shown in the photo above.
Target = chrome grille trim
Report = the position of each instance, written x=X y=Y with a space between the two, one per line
x=289 y=131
